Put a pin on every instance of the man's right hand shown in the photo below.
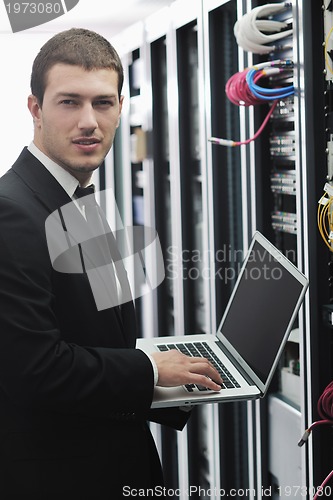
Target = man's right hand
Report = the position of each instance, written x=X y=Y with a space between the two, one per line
x=175 y=368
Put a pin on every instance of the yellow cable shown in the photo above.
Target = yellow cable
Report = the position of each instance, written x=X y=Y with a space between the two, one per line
x=325 y=220
x=326 y=53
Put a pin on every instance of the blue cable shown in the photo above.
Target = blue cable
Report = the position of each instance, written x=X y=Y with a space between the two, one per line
x=270 y=98
x=264 y=93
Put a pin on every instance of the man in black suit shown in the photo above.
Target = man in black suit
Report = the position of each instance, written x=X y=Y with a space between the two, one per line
x=75 y=394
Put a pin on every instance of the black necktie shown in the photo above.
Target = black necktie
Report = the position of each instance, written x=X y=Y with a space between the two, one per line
x=91 y=209
x=80 y=192
x=101 y=231
x=99 y=226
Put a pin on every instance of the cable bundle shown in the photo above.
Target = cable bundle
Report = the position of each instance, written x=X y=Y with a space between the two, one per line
x=250 y=32
x=328 y=49
x=325 y=216
x=325 y=404
x=242 y=89
x=267 y=94
x=238 y=91
x=325 y=410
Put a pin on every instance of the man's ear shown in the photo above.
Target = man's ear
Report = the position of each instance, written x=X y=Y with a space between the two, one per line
x=35 y=109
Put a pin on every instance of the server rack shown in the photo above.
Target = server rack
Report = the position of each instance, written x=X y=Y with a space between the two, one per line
x=318 y=19
x=222 y=60
x=205 y=202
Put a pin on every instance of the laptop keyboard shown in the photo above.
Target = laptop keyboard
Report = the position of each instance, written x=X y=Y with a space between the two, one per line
x=202 y=349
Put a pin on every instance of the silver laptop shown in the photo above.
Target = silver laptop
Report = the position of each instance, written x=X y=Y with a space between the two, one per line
x=253 y=331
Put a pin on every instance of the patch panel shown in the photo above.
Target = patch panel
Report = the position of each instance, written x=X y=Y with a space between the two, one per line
x=284 y=110
x=284 y=217
x=282 y=144
x=283 y=182
x=284 y=228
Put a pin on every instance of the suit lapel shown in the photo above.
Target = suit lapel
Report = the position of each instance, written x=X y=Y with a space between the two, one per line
x=45 y=187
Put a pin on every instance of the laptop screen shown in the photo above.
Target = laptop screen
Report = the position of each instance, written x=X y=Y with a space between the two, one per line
x=261 y=308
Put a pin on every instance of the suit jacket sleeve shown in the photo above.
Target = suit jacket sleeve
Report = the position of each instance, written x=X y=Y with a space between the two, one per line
x=176 y=418
x=39 y=367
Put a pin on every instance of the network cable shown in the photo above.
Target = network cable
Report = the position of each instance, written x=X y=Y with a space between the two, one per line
x=328 y=53
x=325 y=216
x=325 y=411
x=253 y=34
x=242 y=89
x=263 y=93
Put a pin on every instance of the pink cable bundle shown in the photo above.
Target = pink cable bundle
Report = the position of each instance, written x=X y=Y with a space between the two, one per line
x=325 y=410
x=325 y=403
x=238 y=92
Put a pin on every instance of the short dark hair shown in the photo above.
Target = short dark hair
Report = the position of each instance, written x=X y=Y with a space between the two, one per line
x=77 y=47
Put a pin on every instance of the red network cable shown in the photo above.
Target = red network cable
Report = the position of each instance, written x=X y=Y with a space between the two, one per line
x=325 y=403
x=238 y=92
x=325 y=410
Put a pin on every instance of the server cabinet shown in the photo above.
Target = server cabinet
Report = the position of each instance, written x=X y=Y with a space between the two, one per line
x=282 y=162
x=224 y=168
x=318 y=21
x=206 y=200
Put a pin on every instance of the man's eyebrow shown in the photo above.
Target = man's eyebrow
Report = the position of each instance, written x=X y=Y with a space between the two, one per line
x=67 y=94
x=79 y=96
x=106 y=96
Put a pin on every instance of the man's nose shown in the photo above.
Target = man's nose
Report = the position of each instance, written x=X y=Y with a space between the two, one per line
x=87 y=119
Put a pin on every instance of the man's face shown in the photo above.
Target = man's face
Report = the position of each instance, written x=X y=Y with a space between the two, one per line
x=76 y=124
